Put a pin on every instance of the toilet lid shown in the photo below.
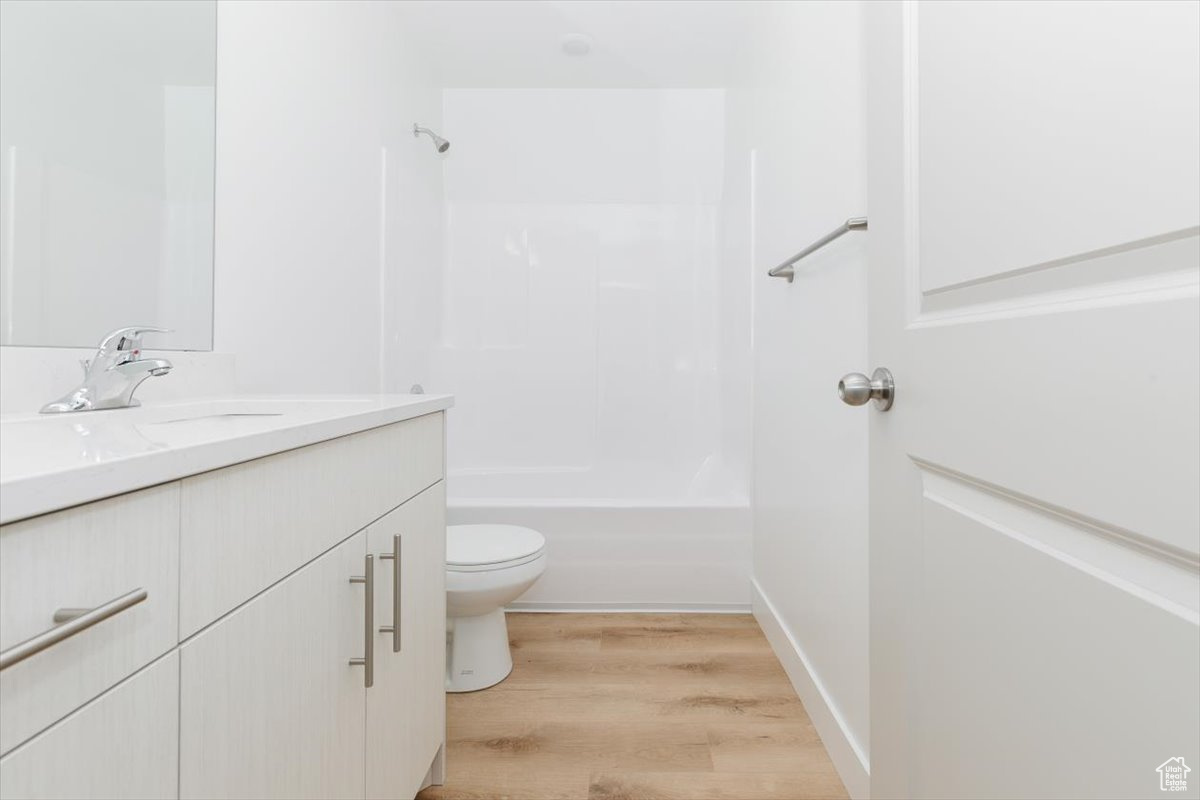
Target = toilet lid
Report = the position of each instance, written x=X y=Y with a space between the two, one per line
x=477 y=545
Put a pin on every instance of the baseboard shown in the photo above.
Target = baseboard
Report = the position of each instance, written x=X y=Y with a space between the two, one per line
x=628 y=608
x=851 y=763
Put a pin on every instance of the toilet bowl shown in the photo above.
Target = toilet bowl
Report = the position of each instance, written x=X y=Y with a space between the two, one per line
x=487 y=567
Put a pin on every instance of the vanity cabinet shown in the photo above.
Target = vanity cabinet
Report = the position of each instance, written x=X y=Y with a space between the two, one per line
x=243 y=673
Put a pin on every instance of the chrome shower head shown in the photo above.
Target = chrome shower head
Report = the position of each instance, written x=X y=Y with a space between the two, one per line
x=441 y=144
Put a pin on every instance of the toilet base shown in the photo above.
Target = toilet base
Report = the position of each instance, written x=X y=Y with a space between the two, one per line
x=477 y=654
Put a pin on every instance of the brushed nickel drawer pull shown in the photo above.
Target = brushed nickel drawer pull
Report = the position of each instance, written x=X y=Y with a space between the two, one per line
x=394 y=628
x=368 y=659
x=71 y=621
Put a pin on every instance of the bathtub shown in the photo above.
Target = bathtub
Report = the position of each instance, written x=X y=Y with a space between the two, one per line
x=624 y=539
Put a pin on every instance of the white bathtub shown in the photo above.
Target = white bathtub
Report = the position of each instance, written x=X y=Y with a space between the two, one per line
x=631 y=539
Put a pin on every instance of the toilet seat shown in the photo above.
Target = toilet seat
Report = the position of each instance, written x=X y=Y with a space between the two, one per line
x=483 y=548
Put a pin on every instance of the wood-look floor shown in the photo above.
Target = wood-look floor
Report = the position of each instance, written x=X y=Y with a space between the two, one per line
x=635 y=707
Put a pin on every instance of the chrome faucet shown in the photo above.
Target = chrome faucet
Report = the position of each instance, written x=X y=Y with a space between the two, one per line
x=111 y=377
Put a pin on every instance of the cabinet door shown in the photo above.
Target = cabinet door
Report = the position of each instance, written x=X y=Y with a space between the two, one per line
x=270 y=705
x=406 y=709
x=122 y=744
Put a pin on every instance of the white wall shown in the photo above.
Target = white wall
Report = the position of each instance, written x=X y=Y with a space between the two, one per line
x=327 y=207
x=796 y=143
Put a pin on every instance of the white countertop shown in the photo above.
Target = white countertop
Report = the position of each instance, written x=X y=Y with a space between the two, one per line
x=50 y=462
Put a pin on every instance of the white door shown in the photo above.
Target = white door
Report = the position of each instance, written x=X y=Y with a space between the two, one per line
x=406 y=708
x=1035 y=527
x=270 y=705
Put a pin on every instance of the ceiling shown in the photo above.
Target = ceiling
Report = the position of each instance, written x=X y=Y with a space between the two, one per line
x=645 y=44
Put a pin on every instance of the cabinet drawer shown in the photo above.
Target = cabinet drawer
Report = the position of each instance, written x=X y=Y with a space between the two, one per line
x=247 y=526
x=82 y=558
x=124 y=744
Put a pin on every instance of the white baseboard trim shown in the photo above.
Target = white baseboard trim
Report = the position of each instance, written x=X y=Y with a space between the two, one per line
x=851 y=763
x=628 y=608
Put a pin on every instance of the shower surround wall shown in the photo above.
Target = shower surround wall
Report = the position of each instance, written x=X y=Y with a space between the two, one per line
x=599 y=361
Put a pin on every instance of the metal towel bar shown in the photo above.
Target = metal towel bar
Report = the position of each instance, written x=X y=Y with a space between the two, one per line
x=785 y=269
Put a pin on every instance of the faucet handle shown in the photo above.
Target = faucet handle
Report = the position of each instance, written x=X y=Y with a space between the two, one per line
x=128 y=338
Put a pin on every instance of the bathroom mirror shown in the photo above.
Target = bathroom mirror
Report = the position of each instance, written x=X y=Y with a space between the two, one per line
x=107 y=120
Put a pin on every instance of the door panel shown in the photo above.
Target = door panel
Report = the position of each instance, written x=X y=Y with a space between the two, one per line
x=1035 y=275
x=1065 y=405
x=1034 y=649
x=1043 y=133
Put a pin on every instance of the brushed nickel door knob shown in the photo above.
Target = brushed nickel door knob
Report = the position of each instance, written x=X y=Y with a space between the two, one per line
x=856 y=389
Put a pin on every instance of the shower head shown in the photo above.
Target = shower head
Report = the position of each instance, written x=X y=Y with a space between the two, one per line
x=441 y=144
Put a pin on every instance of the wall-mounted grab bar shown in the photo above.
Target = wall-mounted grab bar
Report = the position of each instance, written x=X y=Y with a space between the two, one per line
x=785 y=270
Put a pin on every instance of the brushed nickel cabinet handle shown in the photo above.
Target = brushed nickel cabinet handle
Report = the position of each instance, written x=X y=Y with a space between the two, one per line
x=368 y=659
x=394 y=628
x=71 y=621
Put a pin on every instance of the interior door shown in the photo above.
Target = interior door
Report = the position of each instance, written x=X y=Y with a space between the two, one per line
x=1035 y=527
x=406 y=708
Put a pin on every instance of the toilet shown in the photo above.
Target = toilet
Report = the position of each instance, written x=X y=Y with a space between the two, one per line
x=487 y=567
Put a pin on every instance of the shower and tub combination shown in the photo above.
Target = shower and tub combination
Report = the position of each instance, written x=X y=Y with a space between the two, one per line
x=599 y=357
x=595 y=339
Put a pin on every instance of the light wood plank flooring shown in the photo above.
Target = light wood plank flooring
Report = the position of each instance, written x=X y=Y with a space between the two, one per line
x=635 y=707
